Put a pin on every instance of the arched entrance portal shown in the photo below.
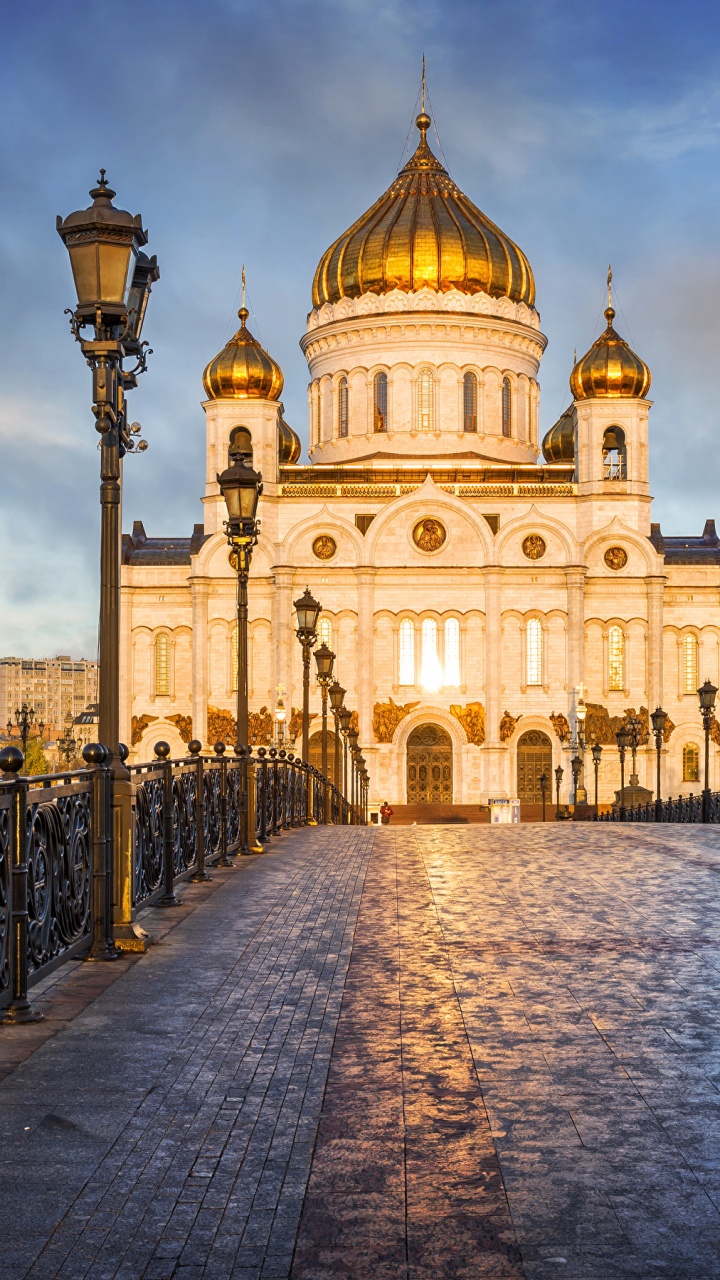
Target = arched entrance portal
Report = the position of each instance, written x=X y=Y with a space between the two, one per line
x=534 y=757
x=429 y=766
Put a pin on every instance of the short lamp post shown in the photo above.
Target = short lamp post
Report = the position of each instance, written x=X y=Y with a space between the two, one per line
x=67 y=745
x=113 y=280
x=543 y=791
x=623 y=738
x=353 y=736
x=241 y=488
x=345 y=719
x=558 y=779
x=337 y=694
x=634 y=727
x=280 y=718
x=324 y=659
x=579 y=780
x=707 y=694
x=307 y=610
x=659 y=721
x=596 y=758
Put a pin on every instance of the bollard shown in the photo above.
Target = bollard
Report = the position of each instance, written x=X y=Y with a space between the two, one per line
x=168 y=899
x=97 y=758
x=194 y=748
x=19 y=1010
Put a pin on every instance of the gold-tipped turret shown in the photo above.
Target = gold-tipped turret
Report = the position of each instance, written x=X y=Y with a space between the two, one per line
x=559 y=442
x=243 y=369
x=610 y=367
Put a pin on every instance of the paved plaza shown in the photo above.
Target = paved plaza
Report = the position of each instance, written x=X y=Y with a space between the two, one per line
x=417 y=1053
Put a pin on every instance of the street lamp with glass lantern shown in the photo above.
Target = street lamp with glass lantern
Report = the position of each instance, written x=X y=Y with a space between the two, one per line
x=576 y=766
x=543 y=780
x=623 y=738
x=113 y=280
x=558 y=779
x=353 y=736
x=241 y=488
x=67 y=745
x=596 y=758
x=707 y=694
x=659 y=721
x=24 y=719
x=308 y=611
x=324 y=659
x=579 y=776
x=337 y=694
x=345 y=718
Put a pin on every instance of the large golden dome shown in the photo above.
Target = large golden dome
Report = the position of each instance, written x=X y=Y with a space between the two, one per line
x=243 y=370
x=423 y=232
x=610 y=368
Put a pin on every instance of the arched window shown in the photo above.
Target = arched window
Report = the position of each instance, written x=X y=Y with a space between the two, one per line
x=533 y=652
x=431 y=674
x=343 y=407
x=240 y=445
x=691 y=763
x=234 y=659
x=689 y=663
x=162 y=665
x=325 y=631
x=406 y=663
x=614 y=454
x=470 y=402
x=426 y=388
x=452 y=652
x=506 y=407
x=380 y=388
x=616 y=658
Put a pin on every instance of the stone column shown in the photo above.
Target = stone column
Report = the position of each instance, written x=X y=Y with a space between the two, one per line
x=494 y=751
x=283 y=635
x=575 y=583
x=655 y=596
x=365 y=651
x=199 y=590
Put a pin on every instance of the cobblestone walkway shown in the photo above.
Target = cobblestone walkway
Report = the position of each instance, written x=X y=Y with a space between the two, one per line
x=415 y=1053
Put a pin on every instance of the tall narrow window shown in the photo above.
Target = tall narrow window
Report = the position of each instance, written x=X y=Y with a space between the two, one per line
x=470 y=400
x=691 y=763
x=452 y=652
x=343 y=407
x=616 y=658
x=406 y=673
x=380 y=387
x=162 y=665
x=506 y=407
x=425 y=400
x=316 y=414
x=431 y=675
x=690 y=663
x=234 y=659
x=325 y=632
x=533 y=651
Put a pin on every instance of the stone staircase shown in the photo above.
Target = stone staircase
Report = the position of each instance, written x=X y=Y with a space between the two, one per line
x=406 y=814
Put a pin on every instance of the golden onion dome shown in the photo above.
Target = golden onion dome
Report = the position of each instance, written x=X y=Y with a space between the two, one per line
x=289 y=446
x=559 y=442
x=423 y=233
x=610 y=368
x=243 y=370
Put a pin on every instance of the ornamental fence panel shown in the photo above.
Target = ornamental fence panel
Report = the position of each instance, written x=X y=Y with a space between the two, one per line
x=704 y=808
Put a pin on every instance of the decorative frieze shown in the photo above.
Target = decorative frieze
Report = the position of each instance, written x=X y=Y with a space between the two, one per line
x=472 y=719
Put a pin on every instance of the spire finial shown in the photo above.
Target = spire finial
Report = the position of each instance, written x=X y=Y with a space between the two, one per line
x=423 y=120
x=609 y=310
x=422 y=100
x=243 y=286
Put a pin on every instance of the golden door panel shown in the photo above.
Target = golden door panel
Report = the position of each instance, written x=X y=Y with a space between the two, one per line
x=429 y=766
x=534 y=757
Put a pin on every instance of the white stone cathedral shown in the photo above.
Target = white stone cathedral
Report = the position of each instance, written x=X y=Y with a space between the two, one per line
x=475 y=584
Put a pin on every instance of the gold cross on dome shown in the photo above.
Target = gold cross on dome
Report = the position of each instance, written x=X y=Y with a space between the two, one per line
x=582 y=690
x=280 y=691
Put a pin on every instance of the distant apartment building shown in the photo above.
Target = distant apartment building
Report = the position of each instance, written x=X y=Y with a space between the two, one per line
x=51 y=686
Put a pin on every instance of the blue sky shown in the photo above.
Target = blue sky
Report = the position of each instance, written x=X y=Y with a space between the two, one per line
x=256 y=133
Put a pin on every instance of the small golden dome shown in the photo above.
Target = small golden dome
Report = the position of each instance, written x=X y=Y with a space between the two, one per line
x=423 y=233
x=559 y=442
x=610 y=368
x=289 y=446
x=243 y=370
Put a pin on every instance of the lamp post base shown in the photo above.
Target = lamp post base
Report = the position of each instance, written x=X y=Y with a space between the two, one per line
x=20 y=1012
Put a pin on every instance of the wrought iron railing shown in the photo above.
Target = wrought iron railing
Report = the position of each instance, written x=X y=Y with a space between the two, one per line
x=58 y=882
x=690 y=808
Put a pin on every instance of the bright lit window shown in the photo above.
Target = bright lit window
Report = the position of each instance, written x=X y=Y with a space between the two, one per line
x=690 y=663
x=325 y=632
x=343 y=407
x=506 y=408
x=425 y=400
x=381 y=400
x=431 y=677
x=452 y=651
x=616 y=658
x=470 y=400
x=691 y=763
x=234 y=659
x=162 y=665
x=534 y=653
x=406 y=674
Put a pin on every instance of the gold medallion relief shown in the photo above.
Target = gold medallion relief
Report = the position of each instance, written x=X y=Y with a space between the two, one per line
x=429 y=534
x=616 y=558
x=534 y=547
x=324 y=547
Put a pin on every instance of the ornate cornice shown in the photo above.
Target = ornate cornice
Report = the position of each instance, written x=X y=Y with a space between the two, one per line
x=453 y=301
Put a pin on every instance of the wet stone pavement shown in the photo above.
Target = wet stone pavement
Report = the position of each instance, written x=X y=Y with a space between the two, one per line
x=414 y=1053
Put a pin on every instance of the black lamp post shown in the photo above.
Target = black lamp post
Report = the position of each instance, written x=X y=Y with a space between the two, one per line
x=634 y=728
x=25 y=719
x=345 y=718
x=308 y=612
x=579 y=779
x=354 y=753
x=337 y=693
x=324 y=659
x=543 y=791
x=659 y=721
x=623 y=738
x=113 y=280
x=67 y=745
x=558 y=780
x=707 y=693
x=576 y=766
x=241 y=488
x=596 y=758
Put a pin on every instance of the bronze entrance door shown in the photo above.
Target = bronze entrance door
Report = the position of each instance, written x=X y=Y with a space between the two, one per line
x=534 y=757
x=429 y=766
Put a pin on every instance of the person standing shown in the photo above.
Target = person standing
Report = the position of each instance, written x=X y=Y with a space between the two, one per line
x=386 y=813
